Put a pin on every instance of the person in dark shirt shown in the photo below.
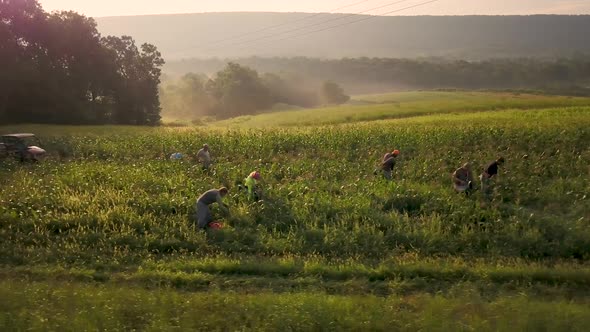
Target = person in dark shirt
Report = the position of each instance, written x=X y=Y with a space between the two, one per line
x=204 y=217
x=490 y=172
x=388 y=164
x=492 y=169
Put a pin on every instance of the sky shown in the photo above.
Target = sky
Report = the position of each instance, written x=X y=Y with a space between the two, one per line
x=99 y=8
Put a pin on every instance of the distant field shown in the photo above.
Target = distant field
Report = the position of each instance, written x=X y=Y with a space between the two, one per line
x=100 y=235
x=403 y=105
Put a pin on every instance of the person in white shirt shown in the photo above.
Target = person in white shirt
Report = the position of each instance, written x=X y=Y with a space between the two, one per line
x=204 y=157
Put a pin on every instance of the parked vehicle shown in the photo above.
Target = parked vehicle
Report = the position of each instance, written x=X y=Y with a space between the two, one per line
x=23 y=146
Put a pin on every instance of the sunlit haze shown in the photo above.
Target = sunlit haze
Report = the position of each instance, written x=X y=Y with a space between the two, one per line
x=442 y=7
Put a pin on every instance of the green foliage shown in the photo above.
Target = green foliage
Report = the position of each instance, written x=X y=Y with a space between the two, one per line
x=321 y=194
x=186 y=98
x=59 y=306
x=109 y=209
x=239 y=90
x=56 y=68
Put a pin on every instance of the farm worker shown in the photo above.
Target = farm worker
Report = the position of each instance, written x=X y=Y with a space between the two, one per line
x=176 y=156
x=463 y=179
x=204 y=217
x=388 y=163
x=204 y=157
x=489 y=174
x=251 y=183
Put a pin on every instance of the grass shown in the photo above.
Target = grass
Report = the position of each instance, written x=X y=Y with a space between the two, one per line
x=106 y=223
x=88 y=307
x=404 y=105
x=402 y=275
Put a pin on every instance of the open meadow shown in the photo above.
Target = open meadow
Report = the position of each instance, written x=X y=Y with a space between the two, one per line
x=404 y=105
x=99 y=236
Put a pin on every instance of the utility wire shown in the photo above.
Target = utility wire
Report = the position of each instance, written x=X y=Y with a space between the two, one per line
x=347 y=23
x=313 y=25
x=307 y=17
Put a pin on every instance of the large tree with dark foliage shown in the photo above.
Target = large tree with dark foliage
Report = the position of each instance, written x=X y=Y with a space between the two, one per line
x=56 y=68
x=136 y=84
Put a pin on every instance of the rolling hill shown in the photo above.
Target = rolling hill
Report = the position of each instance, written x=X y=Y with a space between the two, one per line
x=404 y=105
x=467 y=37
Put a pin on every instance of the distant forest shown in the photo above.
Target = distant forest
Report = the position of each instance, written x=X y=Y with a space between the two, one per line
x=209 y=35
x=569 y=76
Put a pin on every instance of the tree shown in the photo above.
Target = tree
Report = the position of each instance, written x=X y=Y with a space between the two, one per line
x=187 y=98
x=56 y=68
x=81 y=68
x=238 y=90
x=291 y=90
x=22 y=25
x=332 y=93
x=138 y=76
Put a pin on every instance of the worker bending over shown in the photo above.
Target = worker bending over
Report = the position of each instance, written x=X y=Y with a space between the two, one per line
x=204 y=217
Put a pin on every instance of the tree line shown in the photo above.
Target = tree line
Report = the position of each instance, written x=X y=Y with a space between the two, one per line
x=57 y=68
x=365 y=75
x=239 y=90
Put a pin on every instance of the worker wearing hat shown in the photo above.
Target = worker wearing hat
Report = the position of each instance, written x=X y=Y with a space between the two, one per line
x=388 y=163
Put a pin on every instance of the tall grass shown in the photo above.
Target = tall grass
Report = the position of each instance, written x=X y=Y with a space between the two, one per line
x=67 y=307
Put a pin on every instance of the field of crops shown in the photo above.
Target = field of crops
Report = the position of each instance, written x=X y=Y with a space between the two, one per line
x=99 y=236
x=404 y=105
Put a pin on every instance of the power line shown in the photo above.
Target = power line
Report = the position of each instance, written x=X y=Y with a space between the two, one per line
x=344 y=24
x=312 y=25
x=307 y=17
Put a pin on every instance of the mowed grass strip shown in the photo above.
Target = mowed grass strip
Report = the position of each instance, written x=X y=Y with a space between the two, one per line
x=77 y=307
x=203 y=270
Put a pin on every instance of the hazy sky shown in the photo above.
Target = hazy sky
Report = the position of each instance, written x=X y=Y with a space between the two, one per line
x=98 y=8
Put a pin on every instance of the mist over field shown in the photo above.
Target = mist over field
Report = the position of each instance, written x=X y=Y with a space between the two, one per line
x=207 y=35
x=362 y=54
